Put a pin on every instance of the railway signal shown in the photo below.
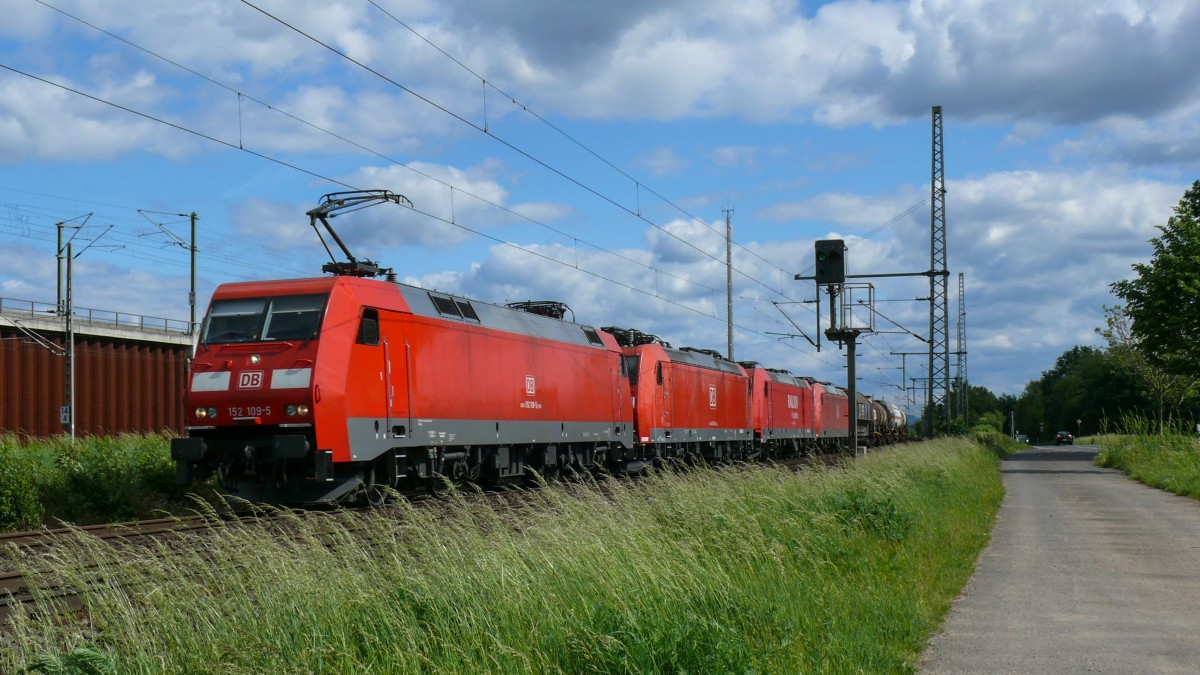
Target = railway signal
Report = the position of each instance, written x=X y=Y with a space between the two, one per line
x=830 y=262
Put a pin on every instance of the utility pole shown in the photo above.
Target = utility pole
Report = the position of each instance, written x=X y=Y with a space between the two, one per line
x=59 y=300
x=192 y=292
x=68 y=412
x=191 y=248
x=729 y=279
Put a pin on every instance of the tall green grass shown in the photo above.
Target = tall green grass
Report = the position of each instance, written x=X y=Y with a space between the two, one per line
x=1168 y=462
x=749 y=569
x=90 y=480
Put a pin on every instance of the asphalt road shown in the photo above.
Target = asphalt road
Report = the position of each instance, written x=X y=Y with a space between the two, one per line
x=1087 y=572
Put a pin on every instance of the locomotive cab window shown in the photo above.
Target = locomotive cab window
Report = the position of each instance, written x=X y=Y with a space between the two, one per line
x=287 y=317
x=234 y=320
x=368 y=328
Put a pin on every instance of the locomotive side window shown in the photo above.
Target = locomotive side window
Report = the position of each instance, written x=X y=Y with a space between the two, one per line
x=368 y=328
x=658 y=372
x=294 y=317
x=631 y=366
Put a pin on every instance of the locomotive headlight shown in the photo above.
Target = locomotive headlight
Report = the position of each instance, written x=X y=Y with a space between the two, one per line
x=212 y=413
x=255 y=359
x=200 y=413
x=297 y=410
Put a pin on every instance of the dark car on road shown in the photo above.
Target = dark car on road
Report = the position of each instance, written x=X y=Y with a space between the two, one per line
x=1064 y=438
x=1022 y=438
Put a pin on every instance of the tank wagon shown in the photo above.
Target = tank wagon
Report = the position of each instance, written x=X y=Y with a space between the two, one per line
x=334 y=388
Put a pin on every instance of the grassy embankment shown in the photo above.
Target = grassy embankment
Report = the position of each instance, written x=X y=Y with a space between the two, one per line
x=91 y=480
x=1168 y=462
x=749 y=569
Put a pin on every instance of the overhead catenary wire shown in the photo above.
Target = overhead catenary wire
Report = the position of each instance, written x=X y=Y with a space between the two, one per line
x=533 y=113
x=314 y=174
x=636 y=213
x=240 y=94
x=240 y=145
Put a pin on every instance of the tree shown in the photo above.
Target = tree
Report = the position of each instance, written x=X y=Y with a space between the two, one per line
x=1168 y=391
x=1163 y=301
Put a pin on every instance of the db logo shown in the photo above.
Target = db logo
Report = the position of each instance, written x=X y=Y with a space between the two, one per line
x=251 y=379
x=530 y=385
x=712 y=396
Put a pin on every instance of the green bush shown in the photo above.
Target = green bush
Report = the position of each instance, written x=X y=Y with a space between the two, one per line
x=20 y=508
x=85 y=481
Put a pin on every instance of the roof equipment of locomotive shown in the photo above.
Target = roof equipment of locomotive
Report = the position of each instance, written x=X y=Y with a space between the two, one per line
x=336 y=204
x=632 y=337
x=549 y=308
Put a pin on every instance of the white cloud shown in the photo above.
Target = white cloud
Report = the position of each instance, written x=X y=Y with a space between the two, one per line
x=663 y=161
x=851 y=62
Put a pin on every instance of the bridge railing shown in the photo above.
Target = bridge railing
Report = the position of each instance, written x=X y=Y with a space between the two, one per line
x=97 y=317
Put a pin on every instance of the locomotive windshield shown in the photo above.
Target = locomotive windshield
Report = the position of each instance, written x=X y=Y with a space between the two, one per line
x=285 y=317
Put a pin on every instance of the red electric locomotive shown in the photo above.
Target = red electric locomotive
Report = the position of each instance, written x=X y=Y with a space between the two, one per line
x=782 y=410
x=307 y=390
x=831 y=414
x=687 y=400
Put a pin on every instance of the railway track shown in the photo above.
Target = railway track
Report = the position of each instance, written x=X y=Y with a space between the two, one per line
x=15 y=593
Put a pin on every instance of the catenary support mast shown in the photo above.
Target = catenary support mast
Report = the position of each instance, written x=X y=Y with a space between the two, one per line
x=939 y=343
x=961 y=353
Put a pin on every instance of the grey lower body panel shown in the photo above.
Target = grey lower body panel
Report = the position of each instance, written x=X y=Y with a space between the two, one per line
x=371 y=437
x=783 y=434
x=685 y=435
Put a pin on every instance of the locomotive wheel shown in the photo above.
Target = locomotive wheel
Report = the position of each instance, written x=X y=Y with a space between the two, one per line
x=373 y=494
x=439 y=486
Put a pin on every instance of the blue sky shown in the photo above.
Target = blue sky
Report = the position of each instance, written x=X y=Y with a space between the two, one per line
x=1071 y=129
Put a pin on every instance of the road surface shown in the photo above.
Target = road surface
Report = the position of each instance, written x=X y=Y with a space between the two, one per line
x=1088 y=571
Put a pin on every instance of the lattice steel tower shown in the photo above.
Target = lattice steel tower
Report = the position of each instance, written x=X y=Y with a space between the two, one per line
x=939 y=343
x=961 y=368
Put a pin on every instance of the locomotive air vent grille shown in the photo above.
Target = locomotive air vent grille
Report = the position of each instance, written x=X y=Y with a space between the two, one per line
x=445 y=306
x=593 y=337
x=468 y=312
